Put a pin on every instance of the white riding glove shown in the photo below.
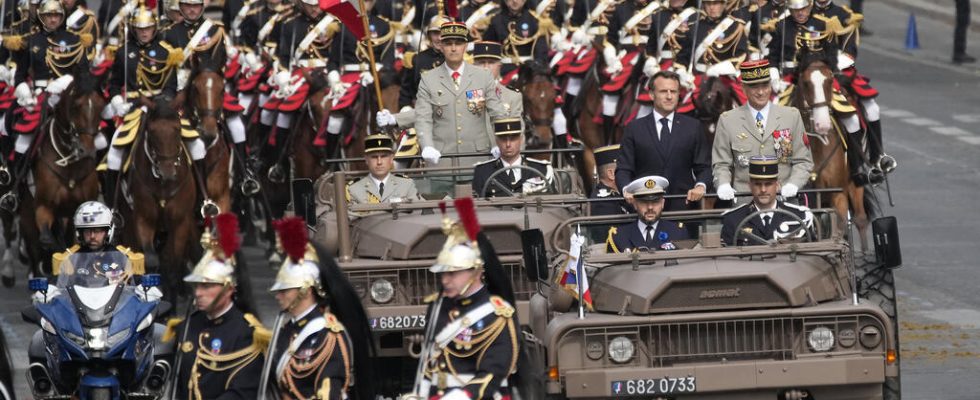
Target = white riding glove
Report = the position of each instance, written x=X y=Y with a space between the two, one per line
x=613 y=63
x=726 y=192
x=789 y=190
x=384 y=118
x=651 y=66
x=366 y=79
x=431 y=155
x=148 y=295
x=25 y=96
x=495 y=152
x=120 y=105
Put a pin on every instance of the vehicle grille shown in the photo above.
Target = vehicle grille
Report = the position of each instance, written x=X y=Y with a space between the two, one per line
x=666 y=344
x=412 y=285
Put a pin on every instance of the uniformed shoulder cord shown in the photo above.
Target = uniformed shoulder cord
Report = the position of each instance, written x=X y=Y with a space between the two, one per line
x=609 y=239
x=209 y=361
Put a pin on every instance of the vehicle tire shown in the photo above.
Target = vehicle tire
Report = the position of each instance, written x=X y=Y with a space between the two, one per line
x=876 y=284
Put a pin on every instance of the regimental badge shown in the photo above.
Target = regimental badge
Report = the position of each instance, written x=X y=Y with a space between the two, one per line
x=132 y=54
x=62 y=47
x=216 y=345
x=187 y=347
x=603 y=193
x=742 y=160
x=475 y=101
x=35 y=49
x=743 y=136
x=153 y=53
x=437 y=110
x=374 y=32
x=525 y=29
x=304 y=354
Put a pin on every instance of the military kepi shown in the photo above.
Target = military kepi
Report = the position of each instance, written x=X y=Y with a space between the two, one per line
x=764 y=167
x=486 y=49
x=606 y=155
x=507 y=126
x=755 y=71
x=454 y=30
x=378 y=142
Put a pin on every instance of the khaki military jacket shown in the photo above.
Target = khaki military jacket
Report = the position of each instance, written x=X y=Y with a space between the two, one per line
x=397 y=189
x=737 y=139
x=457 y=119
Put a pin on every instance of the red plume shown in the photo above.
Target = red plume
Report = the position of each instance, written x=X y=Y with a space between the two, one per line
x=442 y=207
x=467 y=216
x=452 y=8
x=293 y=236
x=227 y=228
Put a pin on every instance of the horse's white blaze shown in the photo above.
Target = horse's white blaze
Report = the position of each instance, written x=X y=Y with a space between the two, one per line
x=821 y=113
x=209 y=84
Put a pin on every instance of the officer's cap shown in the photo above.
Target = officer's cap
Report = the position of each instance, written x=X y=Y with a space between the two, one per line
x=508 y=126
x=763 y=167
x=606 y=155
x=755 y=71
x=378 y=142
x=218 y=263
x=454 y=30
x=487 y=49
x=649 y=188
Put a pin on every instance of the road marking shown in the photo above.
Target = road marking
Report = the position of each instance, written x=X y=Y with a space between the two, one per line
x=970 y=139
x=960 y=318
x=967 y=118
x=921 y=121
x=949 y=131
x=896 y=113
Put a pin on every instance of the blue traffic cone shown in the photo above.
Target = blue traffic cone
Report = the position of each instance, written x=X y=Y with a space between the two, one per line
x=911 y=34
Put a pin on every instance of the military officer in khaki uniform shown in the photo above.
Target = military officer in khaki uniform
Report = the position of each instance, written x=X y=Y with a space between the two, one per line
x=455 y=104
x=489 y=56
x=759 y=127
x=381 y=186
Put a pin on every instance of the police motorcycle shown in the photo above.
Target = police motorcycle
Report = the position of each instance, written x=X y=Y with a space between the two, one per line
x=97 y=337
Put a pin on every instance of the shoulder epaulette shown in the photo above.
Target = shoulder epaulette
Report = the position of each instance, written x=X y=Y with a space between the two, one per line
x=734 y=208
x=610 y=241
x=171 y=332
x=430 y=298
x=261 y=336
x=501 y=307
x=753 y=7
x=58 y=258
x=333 y=324
x=544 y=162
x=13 y=42
x=137 y=259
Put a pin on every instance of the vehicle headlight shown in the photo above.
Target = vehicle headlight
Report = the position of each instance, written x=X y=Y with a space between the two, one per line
x=97 y=338
x=870 y=336
x=821 y=339
x=382 y=291
x=145 y=323
x=621 y=349
x=46 y=325
x=80 y=341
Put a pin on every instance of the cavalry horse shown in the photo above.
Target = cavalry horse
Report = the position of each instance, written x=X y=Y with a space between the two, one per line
x=540 y=100
x=715 y=97
x=813 y=95
x=205 y=101
x=160 y=180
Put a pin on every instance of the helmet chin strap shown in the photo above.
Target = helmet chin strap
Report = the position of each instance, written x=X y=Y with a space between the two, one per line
x=473 y=280
x=214 y=303
x=303 y=292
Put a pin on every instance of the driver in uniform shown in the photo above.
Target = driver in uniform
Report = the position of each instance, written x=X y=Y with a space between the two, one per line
x=509 y=137
x=648 y=231
x=94 y=232
x=764 y=184
x=381 y=186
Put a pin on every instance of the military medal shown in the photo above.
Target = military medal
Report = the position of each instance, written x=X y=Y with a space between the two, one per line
x=525 y=29
x=153 y=53
x=742 y=160
x=475 y=101
x=437 y=110
x=783 y=143
x=216 y=345
x=187 y=347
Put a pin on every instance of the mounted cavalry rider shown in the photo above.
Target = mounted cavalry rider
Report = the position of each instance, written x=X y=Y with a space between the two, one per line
x=518 y=29
x=198 y=37
x=672 y=32
x=145 y=67
x=628 y=43
x=477 y=14
x=82 y=22
x=756 y=14
x=722 y=43
x=45 y=62
x=322 y=350
x=820 y=36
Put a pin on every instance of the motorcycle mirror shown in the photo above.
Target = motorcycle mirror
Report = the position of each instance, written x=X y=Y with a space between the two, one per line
x=38 y=284
x=150 y=280
x=30 y=315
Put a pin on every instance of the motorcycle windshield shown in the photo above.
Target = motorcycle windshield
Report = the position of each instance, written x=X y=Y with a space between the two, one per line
x=94 y=270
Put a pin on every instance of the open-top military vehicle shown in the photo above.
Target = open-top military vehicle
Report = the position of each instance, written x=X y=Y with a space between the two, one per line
x=788 y=320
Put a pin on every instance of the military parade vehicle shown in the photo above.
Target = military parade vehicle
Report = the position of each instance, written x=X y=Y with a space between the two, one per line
x=802 y=319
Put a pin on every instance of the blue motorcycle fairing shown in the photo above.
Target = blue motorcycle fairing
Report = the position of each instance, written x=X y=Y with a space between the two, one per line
x=89 y=383
x=60 y=312
x=126 y=318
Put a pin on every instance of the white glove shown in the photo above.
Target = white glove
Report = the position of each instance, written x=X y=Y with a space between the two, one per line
x=183 y=75
x=687 y=80
x=431 y=155
x=613 y=64
x=777 y=83
x=232 y=52
x=59 y=85
x=651 y=66
x=281 y=79
x=366 y=78
x=148 y=295
x=789 y=190
x=253 y=63
x=25 y=96
x=5 y=73
x=337 y=87
x=559 y=43
x=725 y=192
x=495 y=152
x=456 y=394
x=42 y=297
x=120 y=106
x=580 y=38
x=384 y=118
x=333 y=78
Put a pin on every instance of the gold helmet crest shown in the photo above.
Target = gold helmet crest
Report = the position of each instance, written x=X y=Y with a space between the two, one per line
x=218 y=263
x=460 y=252
x=51 y=7
x=301 y=268
x=143 y=18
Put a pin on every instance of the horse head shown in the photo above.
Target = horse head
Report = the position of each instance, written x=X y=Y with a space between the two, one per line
x=815 y=83
x=539 y=95
x=206 y=97
x=715 y=98
x=162 y=143
x=78 y=114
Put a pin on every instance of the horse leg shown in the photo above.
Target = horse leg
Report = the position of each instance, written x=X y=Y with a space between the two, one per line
x=839 y=203
x=174 y=255
x=219 y=185
x=44 y=220
x=855 y=194
x=9 y=236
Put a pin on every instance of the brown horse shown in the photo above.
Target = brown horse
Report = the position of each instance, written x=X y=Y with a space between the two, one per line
x=64 y=170
x=813 y=96
x=161 y=183
x=205 y=105
x=539 y=95
x=714 y=99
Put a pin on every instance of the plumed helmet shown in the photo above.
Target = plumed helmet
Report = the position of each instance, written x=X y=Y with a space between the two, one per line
x=93 y=214
x=798 y=4
x=143 y=18
x=218 y=263
x=51 y=7
x=460 y=252
x=300 y=268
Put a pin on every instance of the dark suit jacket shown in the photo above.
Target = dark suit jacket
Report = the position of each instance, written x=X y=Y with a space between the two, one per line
x=731 y=218
x=628 y=236
x=684 y=157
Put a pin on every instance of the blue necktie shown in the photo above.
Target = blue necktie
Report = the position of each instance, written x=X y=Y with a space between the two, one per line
x=758 y=120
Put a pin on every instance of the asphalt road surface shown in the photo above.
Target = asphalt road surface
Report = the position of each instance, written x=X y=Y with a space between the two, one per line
x=932 y=126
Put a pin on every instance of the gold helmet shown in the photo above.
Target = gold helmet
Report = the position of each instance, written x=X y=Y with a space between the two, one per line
x=310 y=2
x=797 y=4
x=218 y=263
x=435 y=25
x=460 y=252
x=191 y=1
x=301 y=268
x=143 y=18
x=51 y=7
x=173 y=5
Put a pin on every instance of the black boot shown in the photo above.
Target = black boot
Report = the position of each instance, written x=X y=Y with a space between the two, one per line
x=855 y=160
x=208 y=207
x=109 y=190
x=249 y=186
x=10 y=200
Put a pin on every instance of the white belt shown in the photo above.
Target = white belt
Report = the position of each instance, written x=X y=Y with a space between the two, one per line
x=510 y=60
x=789 y=64
x=461 y=380
x=666 y=54
x=628 y=41
x=700 y=67
x=40 y=83
x=311 y=63
x=360 y=67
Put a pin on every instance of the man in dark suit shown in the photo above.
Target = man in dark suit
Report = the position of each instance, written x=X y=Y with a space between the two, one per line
x=668 y=144
x=764 y=184
x=648 y=231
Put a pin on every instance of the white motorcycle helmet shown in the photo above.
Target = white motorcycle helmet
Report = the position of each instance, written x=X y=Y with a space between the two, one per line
x=93 y=214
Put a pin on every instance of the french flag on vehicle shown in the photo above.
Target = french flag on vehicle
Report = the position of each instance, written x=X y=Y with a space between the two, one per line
x=569 y=278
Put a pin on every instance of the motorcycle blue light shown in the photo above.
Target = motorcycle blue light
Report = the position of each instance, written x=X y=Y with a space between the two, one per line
x=38 y=284
x=151 y=280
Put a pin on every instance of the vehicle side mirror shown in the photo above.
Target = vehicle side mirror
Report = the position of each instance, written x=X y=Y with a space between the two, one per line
x=887 y=247
x=535 y=254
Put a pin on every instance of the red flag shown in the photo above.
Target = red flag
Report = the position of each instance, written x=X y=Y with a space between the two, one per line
x=349 y=14
x=452 y=8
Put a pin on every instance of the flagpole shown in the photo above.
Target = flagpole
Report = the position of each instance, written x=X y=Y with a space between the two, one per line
x=370 y=50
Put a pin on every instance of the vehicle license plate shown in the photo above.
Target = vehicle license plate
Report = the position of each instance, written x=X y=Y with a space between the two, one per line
x=644 y=387
x=398 y=322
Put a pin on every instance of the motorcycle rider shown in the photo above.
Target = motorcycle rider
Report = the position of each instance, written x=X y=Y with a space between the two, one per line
x=94 y=232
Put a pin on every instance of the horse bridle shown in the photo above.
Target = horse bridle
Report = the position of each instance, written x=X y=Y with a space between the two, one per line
x=156 y=159
x=76 y=151
x=210 y=111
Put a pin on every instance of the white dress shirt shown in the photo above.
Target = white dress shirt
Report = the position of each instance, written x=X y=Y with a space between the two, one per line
x=670 y=122
x=643 y=228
